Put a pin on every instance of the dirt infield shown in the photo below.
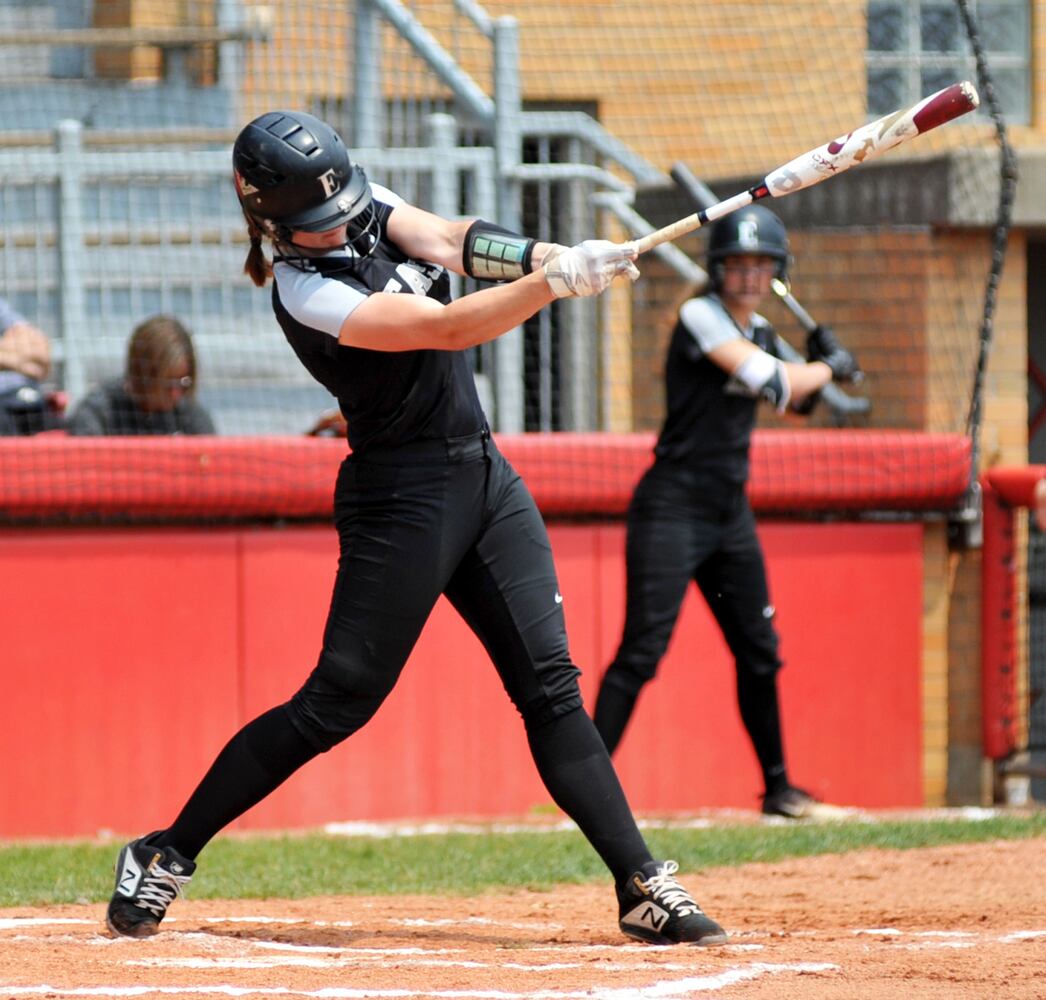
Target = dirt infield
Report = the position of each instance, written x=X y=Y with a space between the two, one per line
x=948 y=923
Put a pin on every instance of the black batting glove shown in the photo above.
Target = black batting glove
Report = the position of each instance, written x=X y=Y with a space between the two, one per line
x=822 y=345
x=809 y=404
x=820 y=342
x=843 y=364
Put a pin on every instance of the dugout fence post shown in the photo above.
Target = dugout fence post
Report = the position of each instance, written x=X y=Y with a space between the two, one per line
x=366 y=68
x=998 y=628
x=71 y=311
x=508 y=142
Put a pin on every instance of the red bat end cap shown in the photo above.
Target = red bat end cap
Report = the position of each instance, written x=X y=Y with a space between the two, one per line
x=956 y=100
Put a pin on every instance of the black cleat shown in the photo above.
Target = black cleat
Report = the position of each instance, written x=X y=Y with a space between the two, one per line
x=795 y=803
x=656 y=909
x=147 y=880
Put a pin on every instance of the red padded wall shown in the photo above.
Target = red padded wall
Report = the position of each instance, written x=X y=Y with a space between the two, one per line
x=848 y=601
x=131 y=655
x=119 y=666
x=192 y=478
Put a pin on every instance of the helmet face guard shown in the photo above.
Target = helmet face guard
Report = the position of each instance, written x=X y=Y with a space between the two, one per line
x=751 y=231
x=293 y=172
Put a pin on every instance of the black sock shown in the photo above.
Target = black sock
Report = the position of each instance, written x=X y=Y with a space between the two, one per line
x=576 y=770
x=256 y=761
x=757 y=701
x=613 y=710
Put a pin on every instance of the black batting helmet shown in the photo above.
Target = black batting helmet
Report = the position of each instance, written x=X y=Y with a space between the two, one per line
x=292 y=171
x=753 y=230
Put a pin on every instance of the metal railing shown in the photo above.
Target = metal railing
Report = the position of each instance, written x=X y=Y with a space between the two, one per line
x=96 y=235
x=124 y=234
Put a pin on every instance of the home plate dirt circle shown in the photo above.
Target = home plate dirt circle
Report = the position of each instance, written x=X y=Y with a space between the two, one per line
x=948 y=922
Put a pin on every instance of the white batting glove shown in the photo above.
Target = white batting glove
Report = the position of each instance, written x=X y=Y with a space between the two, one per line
x=589 y=267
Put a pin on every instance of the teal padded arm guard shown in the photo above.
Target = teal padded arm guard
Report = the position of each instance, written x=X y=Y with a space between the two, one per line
x=491 y=253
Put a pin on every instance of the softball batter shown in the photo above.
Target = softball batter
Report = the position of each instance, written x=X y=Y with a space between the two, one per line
x=424 y=505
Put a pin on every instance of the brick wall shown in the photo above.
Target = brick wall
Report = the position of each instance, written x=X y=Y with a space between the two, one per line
x=909 y=302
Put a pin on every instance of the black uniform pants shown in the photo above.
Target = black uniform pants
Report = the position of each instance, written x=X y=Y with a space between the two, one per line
x=416 y=522
x=422 y=520
x=681 y=528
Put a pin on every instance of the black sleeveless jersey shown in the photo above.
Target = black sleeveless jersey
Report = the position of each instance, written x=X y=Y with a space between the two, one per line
x=709 y=414
x=387 y=398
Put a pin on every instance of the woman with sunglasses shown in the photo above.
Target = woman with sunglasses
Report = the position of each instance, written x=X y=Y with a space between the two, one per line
x=157 y=393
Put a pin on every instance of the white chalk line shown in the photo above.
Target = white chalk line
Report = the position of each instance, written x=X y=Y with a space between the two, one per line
x=476 y=922
x=359 y=828
x=304 y=961
x=955 y=938
x=320 y=956
x=662 y=990
x=1022 y=936
x=381 y=953
x=333 y=949
x=25 y=923
x=15 y=923
x=896 y=932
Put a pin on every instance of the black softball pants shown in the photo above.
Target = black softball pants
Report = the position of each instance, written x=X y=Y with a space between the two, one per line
x=684 y=527
x=416 y=522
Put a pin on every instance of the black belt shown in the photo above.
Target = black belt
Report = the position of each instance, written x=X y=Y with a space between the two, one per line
x=452 y=449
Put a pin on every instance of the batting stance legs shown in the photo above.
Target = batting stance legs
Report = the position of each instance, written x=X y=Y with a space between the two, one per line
x=400 y=549
x=683 y=528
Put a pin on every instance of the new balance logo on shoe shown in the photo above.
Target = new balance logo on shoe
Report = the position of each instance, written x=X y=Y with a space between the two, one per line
x=130 y=875
x=654 y=916
x=645 y=917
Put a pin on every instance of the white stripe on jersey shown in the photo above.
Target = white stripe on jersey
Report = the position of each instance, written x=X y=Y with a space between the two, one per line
x=707 y=321
x=314 y=299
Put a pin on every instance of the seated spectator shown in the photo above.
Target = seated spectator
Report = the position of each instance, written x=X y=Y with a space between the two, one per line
x=156 y=395
x=25 y=361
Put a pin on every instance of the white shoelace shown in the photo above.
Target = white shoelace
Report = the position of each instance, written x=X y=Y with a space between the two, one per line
x=158 y=890
x=669 y=893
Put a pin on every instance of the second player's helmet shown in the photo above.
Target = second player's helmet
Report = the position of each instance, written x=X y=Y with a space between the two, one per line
x=751 y=230
x=292 y=171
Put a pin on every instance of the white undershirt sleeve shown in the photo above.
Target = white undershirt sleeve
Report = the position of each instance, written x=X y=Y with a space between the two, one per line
x=315 y=300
